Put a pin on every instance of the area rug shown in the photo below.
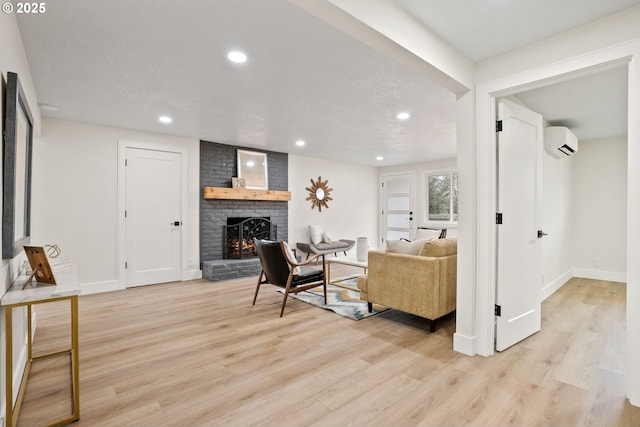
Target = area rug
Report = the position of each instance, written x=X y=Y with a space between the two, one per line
x=345 y=302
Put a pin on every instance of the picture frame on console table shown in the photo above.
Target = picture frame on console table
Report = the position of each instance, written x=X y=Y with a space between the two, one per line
x=40 y=267
x=237 y=182
x=18 y=140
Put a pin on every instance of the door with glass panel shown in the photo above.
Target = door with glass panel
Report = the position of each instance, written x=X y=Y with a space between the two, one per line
x=397 y=207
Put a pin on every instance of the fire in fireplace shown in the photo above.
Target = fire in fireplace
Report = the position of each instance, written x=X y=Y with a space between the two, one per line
x=240 y=232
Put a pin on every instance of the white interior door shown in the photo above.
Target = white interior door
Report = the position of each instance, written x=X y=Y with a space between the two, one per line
x=397 y=207
x=519 y=268
x=153 y=216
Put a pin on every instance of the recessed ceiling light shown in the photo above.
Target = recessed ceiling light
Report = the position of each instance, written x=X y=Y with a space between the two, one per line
x=250 y=164
x=48 y=107
x=379 y=158
x=300 y=143
x=237 y=57
x=403 y=116
x=165 y=119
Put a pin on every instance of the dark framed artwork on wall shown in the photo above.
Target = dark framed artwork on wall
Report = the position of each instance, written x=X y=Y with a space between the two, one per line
x=17 y=146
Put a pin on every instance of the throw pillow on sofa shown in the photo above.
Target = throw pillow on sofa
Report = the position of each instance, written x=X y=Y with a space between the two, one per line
x=426 y=234
x=405 y=247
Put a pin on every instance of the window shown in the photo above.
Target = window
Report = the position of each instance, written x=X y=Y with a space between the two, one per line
x=442 y=197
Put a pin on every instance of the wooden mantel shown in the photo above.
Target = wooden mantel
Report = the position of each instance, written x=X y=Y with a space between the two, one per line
x=245 y=194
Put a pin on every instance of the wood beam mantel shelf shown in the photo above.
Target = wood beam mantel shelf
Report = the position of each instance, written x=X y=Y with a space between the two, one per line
x=245 y=194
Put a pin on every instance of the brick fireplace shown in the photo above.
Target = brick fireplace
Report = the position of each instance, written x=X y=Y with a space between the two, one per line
x=218 y=165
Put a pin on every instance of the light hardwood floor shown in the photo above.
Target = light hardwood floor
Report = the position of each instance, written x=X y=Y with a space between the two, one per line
x=198 y=354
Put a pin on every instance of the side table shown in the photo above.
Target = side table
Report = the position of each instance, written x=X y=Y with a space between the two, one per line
x=345 y=261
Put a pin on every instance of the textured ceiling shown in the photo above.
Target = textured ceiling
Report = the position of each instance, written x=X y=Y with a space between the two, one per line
x=123 y=63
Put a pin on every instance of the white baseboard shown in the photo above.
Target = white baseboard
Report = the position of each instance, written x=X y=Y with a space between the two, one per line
x=464 y=344
x=114 y=285
x=100 y=287
x=584 y=273
x=193 y=275
x=610 y=276
x=556 y=284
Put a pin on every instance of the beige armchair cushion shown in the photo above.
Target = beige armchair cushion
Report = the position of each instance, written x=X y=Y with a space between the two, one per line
x=439 y=248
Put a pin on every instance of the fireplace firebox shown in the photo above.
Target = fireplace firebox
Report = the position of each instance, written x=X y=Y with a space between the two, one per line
x=239 y=233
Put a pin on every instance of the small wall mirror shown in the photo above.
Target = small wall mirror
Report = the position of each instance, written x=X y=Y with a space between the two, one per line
x=252 y=168
x=319 y=193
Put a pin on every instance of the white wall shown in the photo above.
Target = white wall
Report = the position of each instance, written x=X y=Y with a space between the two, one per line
x=557 y=220
x=584 y=214
x=13 y=58
x=600 y=206
x=353 y=211
x=464 y=339
x=75 y=196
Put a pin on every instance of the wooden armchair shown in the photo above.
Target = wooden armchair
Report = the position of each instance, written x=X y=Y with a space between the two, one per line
x=281 y=268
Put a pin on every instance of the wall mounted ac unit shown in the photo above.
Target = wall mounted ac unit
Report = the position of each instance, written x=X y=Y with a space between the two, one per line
x=560 y=142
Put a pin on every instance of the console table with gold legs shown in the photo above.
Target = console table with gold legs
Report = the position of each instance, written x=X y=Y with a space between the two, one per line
x=67 y=288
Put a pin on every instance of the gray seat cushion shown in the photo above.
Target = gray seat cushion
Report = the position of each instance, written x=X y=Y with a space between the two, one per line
x=341 y=245
x=331 y=246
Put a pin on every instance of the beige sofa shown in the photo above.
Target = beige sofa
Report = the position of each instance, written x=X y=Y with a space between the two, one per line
x=423 y=284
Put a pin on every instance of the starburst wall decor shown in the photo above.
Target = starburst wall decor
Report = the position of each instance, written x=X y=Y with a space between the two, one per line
x=319 y=193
